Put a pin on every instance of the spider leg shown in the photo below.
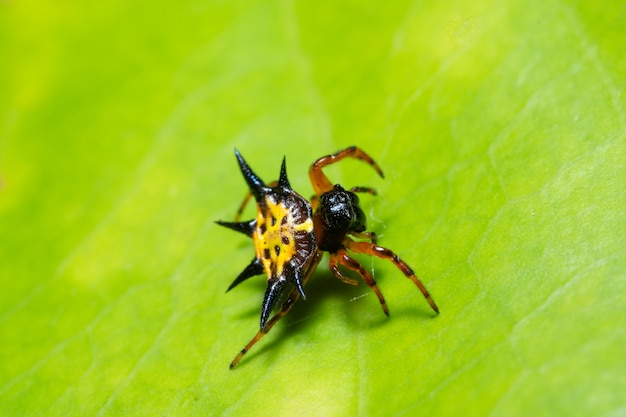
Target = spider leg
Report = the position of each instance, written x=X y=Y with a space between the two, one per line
x=353 y=264
x=321 y=183
x=334 y=268
x=315 y=202
x=384 y=253
x=371 y=236
x=284 y=309
x=246 y=200
x=243 y=205
x=368 y=190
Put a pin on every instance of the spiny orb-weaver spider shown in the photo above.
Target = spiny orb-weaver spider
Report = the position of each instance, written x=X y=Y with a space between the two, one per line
x=290 y=235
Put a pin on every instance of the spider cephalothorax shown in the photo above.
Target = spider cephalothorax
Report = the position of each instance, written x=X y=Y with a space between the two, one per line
x=290 y=235
x=338 y=213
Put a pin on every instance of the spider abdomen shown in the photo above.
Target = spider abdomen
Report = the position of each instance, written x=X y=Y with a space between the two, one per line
x=284 y=232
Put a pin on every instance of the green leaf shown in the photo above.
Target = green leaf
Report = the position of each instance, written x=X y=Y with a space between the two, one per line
x=501 y=130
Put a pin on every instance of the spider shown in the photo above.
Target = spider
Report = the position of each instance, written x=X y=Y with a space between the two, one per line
x=290 y=235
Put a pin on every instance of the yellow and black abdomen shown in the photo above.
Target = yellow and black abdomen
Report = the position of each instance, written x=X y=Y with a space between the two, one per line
x=283 y=236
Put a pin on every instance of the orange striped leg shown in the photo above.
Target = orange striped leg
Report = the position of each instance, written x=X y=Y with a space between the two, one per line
x=334 y=268
x=243 y=205
x=367 y=190
x=284 y=309
x=371 y=236
x=315 y=202
x=353 y=264
x=384 y=253
x=321 y=183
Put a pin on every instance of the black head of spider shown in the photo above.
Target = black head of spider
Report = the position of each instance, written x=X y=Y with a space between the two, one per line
x=341 y=211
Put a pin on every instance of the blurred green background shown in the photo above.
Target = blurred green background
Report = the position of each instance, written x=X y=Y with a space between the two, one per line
x=501 y=129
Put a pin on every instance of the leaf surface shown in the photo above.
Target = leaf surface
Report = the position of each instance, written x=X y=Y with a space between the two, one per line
x=501 y=131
